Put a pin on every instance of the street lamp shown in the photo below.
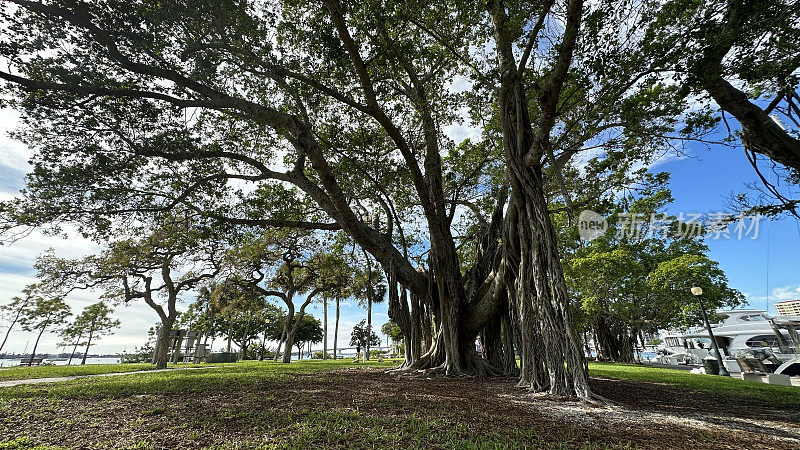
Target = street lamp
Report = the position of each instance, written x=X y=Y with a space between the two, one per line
x=697 y=291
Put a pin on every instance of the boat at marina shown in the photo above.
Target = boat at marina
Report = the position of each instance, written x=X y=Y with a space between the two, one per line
x=739 y=330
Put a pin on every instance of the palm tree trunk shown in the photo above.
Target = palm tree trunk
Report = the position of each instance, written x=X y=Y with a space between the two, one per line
x=336 y=329
x=325 y=328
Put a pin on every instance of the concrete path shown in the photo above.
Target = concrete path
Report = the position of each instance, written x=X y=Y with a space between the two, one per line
x=11 y=383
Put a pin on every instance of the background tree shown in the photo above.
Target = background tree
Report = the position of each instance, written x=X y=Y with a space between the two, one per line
x=368 y=286
x=309 y=331
x=285 y=263
x=94 y=322
x=362 y=336
x=336 y=277
x=614 y=275
x=171 y=260
x=238 y=308
x=72 y=335
x=14 y=310
x=201 y=316
x=394 y=332
x=43 y=313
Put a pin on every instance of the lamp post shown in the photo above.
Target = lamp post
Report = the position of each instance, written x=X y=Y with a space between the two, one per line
x=698 y=292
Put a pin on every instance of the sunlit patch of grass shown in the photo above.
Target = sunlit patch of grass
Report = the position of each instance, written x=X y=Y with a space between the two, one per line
x=222 y=377
x=780 y=396
x=24 y=443
x=25 y=373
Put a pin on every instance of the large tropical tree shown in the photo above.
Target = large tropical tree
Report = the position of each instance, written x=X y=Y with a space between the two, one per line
x=333 y=116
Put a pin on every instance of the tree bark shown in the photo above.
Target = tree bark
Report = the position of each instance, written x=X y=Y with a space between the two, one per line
x=245 y=340
x=289 y=343
x=230 y=333
x=162 y=347
x=539 y=288
x=760 y=133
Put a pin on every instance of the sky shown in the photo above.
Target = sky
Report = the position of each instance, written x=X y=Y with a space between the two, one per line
x=764 y=269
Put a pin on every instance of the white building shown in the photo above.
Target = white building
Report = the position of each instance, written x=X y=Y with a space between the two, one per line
x=788 y=308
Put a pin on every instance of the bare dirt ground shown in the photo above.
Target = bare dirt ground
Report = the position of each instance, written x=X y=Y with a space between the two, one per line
x=368 y=408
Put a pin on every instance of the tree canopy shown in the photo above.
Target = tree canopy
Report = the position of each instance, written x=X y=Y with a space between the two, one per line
x=285 y=126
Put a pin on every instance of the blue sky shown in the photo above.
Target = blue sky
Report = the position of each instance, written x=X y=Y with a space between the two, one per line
x=764 y=269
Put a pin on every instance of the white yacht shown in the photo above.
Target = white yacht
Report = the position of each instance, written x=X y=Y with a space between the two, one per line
x=740 y=329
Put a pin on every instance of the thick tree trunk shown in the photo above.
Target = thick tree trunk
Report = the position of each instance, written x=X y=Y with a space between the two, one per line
x=162 y=347
x=417 y=339
x=539 y=287
x=401 y=316
x=88 y=344
x=540 y=283
x=289 y=344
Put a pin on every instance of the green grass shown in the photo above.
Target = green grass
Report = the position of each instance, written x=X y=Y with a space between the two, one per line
x=220 y=377
x=242 y=373
x=173 y=403
x=780 y=396
x=255 y=404
x=24 y=373
x=24 y=443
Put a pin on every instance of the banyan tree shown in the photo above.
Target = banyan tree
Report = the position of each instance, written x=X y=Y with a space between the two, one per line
x=470 y=132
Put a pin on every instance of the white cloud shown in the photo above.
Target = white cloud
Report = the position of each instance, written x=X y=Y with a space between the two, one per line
x=13 y=154
x=777 y=294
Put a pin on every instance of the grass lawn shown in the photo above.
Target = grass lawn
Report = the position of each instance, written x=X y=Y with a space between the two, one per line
x=24 y=373
x=312 y=404
x=724 y=387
